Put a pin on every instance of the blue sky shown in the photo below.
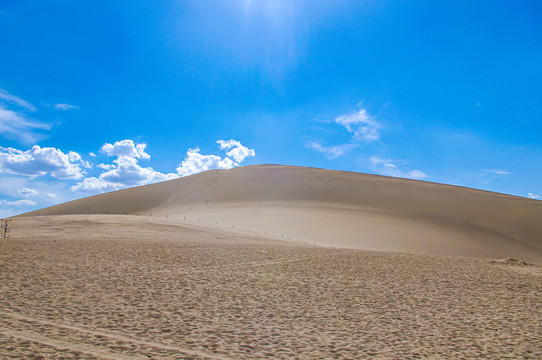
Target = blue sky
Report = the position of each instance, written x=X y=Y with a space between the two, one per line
x=102 y=95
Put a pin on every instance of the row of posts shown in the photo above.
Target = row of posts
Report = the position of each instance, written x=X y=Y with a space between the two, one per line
x=184 y=219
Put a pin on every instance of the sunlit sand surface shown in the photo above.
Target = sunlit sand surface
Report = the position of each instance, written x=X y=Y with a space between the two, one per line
x=340 y=209
x=276 y=262
x=134 y=287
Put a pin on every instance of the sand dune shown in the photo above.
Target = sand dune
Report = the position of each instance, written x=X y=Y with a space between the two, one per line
x=223 y=265
x=339 y=209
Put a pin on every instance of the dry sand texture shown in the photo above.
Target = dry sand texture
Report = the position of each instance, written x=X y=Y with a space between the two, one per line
x=222 y=265
x=128 y=287
x=340 y=209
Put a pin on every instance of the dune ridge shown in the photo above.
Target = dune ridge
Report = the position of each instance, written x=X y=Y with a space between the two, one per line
x=336 y=208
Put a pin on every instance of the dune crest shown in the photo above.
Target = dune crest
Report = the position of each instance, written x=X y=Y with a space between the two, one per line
x=335 y=208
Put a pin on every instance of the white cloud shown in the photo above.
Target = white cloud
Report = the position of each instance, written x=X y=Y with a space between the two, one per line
x=51 y=196
x=362 y=126
x=533 y=196
x=416 y=174
x=236 y=151
x=106 y=166
x=389 y=168
x=125 y=170
x=65 y=107
x=6 y=96
x=498 y=172
x=91 y=154
x=24 y=202
x=126 y=148
x=488 y=175
x=85 y=163
x=27 y=192
x=16 y=126
x=194 y=162
x=12 y=185
x=126 y=173
x=331 y=152
x=41 y=161
x=95 y=184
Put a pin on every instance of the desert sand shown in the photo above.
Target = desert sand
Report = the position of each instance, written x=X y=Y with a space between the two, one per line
x=275 y=262
x=340 y=209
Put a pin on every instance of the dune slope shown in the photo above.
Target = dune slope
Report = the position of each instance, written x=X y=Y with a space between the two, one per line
x=334 y=208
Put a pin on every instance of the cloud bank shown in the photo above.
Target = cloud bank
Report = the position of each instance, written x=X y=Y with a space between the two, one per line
x=42 y=161
x=125 y=171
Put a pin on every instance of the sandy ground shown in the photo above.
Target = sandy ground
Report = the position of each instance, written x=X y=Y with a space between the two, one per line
x=129 y=287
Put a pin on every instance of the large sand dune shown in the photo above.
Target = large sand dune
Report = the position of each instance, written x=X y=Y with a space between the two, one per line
x=339 y=209
x=223 y=265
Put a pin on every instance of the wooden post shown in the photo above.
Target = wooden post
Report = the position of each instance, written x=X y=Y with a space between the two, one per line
x=5 y=227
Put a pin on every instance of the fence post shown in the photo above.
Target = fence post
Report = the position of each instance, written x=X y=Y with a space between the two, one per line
x=4 y=224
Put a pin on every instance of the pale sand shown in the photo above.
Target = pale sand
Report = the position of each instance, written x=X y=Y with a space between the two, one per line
x=339 y=209
x=135 y=287
x=222 y=264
